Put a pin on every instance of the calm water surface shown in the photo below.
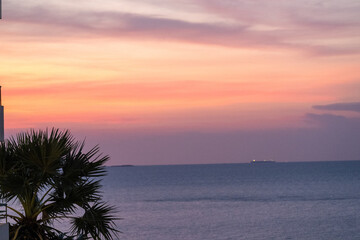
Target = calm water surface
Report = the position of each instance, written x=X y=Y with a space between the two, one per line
x=311 y=201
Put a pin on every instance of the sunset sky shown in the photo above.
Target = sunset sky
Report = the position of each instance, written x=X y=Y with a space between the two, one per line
x=187 y=81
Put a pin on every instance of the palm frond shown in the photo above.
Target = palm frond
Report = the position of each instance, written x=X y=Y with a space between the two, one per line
x=97 y=221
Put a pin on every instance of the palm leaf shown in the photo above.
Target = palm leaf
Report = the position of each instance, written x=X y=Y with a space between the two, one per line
x=97 y=221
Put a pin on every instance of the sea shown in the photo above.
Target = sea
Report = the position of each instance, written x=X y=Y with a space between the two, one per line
x=304 y=200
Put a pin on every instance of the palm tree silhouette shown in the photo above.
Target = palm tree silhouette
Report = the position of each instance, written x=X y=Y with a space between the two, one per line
x=52 y=178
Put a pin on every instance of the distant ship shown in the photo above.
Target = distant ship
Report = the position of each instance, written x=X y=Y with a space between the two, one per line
x=263 y=161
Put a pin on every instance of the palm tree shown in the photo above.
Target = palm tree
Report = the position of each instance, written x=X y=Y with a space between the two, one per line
x=53 y=179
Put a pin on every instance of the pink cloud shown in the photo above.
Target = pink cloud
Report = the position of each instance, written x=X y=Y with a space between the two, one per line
x=62 y=23
x=182 y=90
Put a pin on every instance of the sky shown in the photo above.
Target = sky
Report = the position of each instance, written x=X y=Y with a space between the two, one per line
x=187 y=81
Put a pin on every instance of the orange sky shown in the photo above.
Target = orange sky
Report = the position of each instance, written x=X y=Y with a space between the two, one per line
x=107 y=81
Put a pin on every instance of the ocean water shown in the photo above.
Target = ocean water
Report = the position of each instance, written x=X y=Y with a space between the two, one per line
x=310 y=201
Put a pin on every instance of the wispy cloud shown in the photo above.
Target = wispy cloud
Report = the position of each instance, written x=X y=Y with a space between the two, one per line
x=245 y=24
x=352 y=106
x=214 y=92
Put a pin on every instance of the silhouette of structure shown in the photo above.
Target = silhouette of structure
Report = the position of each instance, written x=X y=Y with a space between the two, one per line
x=1 y=120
